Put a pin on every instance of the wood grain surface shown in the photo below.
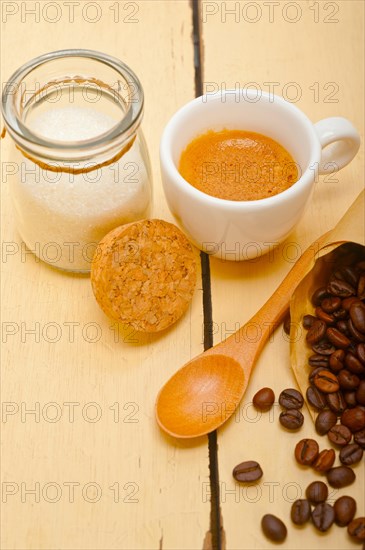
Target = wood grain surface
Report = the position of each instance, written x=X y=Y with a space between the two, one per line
x=84 y=465
x=301 y=58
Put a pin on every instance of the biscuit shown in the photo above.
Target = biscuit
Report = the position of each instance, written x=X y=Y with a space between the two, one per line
x=144 y=274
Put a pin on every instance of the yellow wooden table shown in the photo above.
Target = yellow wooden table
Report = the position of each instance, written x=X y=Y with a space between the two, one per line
x=83 y=463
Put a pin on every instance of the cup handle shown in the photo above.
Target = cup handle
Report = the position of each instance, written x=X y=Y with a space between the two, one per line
x=340 y=142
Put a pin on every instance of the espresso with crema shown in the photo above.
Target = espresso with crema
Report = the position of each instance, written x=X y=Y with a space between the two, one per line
x=238 y=165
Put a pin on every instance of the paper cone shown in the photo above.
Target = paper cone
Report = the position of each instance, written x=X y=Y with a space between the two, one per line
x=350 y=229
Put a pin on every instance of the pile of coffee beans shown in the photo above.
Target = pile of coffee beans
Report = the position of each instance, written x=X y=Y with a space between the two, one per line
x=291 y=400
x=322 y=514
x=336 y=390
x=307 y=454
x=336 y=335
x=314 y=507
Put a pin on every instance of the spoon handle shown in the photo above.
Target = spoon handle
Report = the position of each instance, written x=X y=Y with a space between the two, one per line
x=350 y=227
x=246 y=344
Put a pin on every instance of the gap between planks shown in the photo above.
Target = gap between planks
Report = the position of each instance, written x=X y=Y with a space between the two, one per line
x=214 y=539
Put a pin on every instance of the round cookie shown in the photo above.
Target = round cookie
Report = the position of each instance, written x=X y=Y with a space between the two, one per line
x=144 y=274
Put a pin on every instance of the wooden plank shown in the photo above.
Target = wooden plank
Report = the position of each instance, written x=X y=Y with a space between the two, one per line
x=321 y=55
x=149 y=490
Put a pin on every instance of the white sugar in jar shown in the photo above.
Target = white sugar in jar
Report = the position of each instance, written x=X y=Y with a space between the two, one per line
x=82 y=163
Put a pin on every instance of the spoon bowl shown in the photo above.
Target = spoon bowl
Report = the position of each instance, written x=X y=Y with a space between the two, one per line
x=216 y=384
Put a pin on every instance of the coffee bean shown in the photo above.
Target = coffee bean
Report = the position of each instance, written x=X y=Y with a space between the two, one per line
x=340 y=476
x=314 y=373
x=360 y=352
x=291 y=419
x=291 y=399
x=264 y=399
x=356 y=529
x=354 y=364
x=339 y=435
x=324 y=316
x=345 y=510
x=323 y=347
x=357 y=315
x=316 y=398
x=359 y=438
x=354 y=419
x=337 y=338
x=326 y=381
x=350 y=275
x=300 y=511
x=329 y=305
x=319 y=295
x=336 y=402
x=340 y=314
x=316 y=492
x=361 y=287
x=308 y=321
x=336 y=360
x=273 y=528
x=337 y=380
x=356 y=274
x=346 y=303
x=306 y=451
x=340 y=288
x=337 y=274
x=325 y=460
x=360 y=393
x=247 y=471
x=350 y=398
x=341 y=325
x=357 y=335
x=323 y=516
x=351 y=454
x=317 y=360
x=348 y=380
x=316 y=332
x=325 y=421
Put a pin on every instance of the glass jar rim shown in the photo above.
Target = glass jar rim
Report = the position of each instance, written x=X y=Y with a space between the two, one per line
x=117 y=134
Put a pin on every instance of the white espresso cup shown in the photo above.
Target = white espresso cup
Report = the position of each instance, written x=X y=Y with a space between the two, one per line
x=240 y=230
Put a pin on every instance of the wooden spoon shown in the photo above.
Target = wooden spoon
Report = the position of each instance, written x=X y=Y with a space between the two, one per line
x=205 y=392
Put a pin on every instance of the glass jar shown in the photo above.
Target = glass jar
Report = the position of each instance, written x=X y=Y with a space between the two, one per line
x=82 y=166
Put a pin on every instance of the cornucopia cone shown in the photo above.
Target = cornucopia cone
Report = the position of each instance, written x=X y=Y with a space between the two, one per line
x=350 y=229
